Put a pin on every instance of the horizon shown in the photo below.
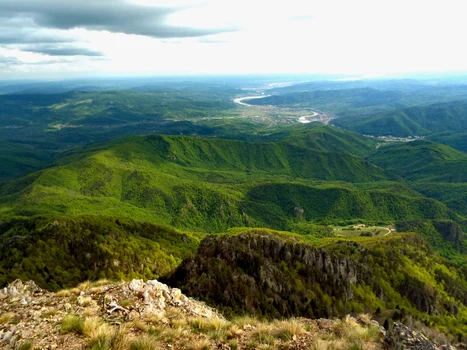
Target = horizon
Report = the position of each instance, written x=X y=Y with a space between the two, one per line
x=294 y=77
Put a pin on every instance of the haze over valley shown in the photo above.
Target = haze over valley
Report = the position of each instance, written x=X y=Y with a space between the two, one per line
x=300 y=174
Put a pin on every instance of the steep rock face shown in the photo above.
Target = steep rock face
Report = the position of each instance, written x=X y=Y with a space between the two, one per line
x=263 y=274
x=451 y=232
x=276 y=275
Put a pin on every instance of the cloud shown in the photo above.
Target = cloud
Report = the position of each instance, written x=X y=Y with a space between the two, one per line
x=8 y=61
x=24 y=35
x=116 y=16
x=62 y=51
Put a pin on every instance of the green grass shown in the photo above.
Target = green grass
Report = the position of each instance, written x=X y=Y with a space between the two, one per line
x=72 y=323
x=362 y=230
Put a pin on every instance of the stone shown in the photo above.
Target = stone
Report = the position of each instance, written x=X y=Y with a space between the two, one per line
x=136 y=285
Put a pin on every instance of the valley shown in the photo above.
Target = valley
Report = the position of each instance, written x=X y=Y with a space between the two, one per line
x=280 y=114
x=200 y=175
x=257 y=206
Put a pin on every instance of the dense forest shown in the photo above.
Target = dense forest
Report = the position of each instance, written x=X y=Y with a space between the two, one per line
x=292 y=204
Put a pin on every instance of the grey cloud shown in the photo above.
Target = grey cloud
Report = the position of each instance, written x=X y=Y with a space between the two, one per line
x=63 y=51
x=111 y=15
x=4 y=60
x=10 y=35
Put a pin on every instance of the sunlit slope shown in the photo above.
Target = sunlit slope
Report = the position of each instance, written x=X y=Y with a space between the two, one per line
x=212 y=184
x=438 y=171
x=423 y=160
x=419 y=120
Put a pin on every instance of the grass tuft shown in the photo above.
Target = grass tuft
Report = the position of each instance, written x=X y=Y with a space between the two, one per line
x=145 y=342
x=5 y=318
x=72 y=323
x=199 y=344
x=287 y=330
x=264 y=334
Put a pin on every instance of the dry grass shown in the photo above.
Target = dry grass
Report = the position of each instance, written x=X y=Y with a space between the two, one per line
x=72 y=323
x=345 y=328
x=199 y=344
x=153 y=318
x=63 y=293
x=84 y=301
x=364 y=319
x=91 y=311
x=287 y=330
x=266 y=347
x=139 y=326
x=264 y=334
x=245 y=321
x=97 y=290
x=84 y=285
x=7 y=317
x=144 y=342
x=156 y=331
x=181 y=322
x=234 y=332
x=102 y=336
x=75 y=291
x=203 y=325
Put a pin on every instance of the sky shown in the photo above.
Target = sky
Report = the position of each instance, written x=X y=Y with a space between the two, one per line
x=57 y=39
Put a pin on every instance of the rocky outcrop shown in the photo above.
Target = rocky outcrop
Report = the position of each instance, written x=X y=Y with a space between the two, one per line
x=262 y=274
x=126 y=312
x=401 y=337
x=451 y=232
x=156 y=297
x=29 y=313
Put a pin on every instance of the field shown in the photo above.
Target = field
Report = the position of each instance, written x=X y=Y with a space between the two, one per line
x=363 y=230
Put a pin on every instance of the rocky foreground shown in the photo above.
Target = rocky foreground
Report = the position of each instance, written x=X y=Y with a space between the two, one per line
x=141 y=315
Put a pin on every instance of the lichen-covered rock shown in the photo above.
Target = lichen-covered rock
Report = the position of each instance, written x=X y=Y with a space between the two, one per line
x=401 y=337
x=32 y=314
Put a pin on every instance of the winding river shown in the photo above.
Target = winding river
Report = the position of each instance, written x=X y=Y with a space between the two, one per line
x=303 y=119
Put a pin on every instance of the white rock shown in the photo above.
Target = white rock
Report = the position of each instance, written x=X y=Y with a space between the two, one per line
x=136 y=285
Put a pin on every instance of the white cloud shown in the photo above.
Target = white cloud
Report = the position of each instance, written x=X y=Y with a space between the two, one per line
x=356 y=37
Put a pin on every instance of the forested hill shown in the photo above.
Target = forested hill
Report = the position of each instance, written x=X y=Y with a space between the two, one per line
x=423 y=120
x=438 y=171
x=274 y=275
x=213 y=184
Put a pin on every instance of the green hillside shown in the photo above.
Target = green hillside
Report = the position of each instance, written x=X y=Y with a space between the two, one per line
x=212 y=184
x=326 y=138
x=278 y=275
x=58 y=252
x=435 y=170
x=423 y=160
x=419 y=120
x=453 y=139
